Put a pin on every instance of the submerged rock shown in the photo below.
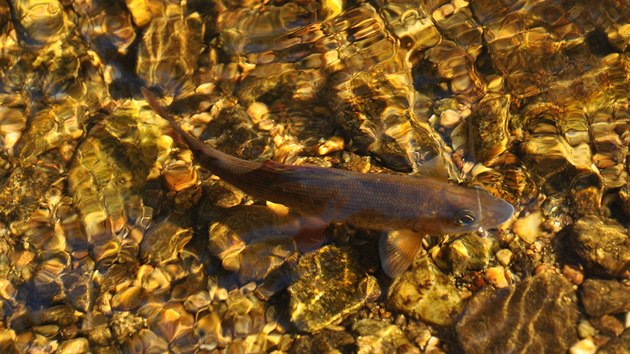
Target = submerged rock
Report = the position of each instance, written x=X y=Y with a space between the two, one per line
x=326 y=341
x=165 y=239
x=617 y=345
x=426 y=293
x=470 y=252
x=538 y=315
x=603 y=297
x=330 y=285
x=381 y=337
x=603 y=244
x=103 y=217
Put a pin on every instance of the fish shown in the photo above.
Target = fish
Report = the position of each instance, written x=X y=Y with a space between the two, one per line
x=407 y=207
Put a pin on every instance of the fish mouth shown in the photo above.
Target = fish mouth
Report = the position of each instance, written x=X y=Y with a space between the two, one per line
x=497 y=214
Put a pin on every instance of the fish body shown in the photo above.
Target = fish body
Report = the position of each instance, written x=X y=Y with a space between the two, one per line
x=373 y=201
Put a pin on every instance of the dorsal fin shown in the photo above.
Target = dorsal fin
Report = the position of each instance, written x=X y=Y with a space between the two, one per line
x=273 y=166
x=397 y=250
x=434 y=168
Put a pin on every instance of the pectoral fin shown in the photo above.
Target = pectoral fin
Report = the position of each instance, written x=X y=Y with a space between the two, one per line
x=397 y=250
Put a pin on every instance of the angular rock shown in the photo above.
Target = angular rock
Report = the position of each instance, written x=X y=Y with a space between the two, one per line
x=165 y=239
x=617 y=345
x=538 y=315
x=603 y=244
x=330 y=285
x=608 y=325
x=469 y=252
x=326 y=341
x=603 y=297
x=381 y=337
x=426 y=293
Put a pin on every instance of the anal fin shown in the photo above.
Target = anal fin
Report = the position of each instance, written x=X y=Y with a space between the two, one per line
x=312 y=234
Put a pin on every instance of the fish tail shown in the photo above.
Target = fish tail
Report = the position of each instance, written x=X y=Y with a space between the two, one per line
x=194 y=143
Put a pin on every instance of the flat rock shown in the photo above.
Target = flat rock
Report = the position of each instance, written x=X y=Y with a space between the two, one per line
x=165 y=239
x=617 y=345
x=426 y=293
x=603 y=245
x=381 y=337
x=604 y=297
x=538 y=315
x=330 y=285
x=469 y=252
x=325 y=341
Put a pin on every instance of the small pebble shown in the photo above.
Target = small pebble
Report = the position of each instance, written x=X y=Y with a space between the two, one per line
x=179 y=176
x=258 y=111
x=585 y=346
x=335 y=143
x=575 y=275
x=495 y=83
x=544 y=268
x=496 y=277
x=460 y=249
x=504 y=256
x=586 y=329
x=449 y=118
x=443 y=12
x=269 y=327
x=433 y=345
x=528 y=227
x=266 y=124
x=205 y=88
x=221 y=294
x=422 y=339
x=7 y=290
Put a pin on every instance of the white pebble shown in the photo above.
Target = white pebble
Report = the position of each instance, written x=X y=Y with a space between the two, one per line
x=504 y=256
x=528 y=227
x=586 y=329
x=449 y=118
x=585 y=346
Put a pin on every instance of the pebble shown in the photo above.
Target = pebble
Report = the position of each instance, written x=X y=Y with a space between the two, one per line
x=7 y=290
x=496 y=277
x=179 y=175
x=574 y=274
x=325 y=341
x=258 y=111
x=221 y=294
x=335 y=143
x=585 y=346
x=450 y=118
x=528 y=227
x=586 y=329
x=504 y=256
x=381 y=337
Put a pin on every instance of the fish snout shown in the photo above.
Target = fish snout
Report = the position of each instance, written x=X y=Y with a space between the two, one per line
x=496 y=213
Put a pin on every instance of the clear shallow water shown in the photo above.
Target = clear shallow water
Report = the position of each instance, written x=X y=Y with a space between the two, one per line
x=114 y=240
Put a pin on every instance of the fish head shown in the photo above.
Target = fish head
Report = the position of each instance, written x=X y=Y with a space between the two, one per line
x=465 y=209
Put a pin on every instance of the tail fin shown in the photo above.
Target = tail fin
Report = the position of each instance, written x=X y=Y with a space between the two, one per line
x=191 y=141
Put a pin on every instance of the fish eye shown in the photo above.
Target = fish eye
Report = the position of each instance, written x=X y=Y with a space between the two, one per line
x=465 y=217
